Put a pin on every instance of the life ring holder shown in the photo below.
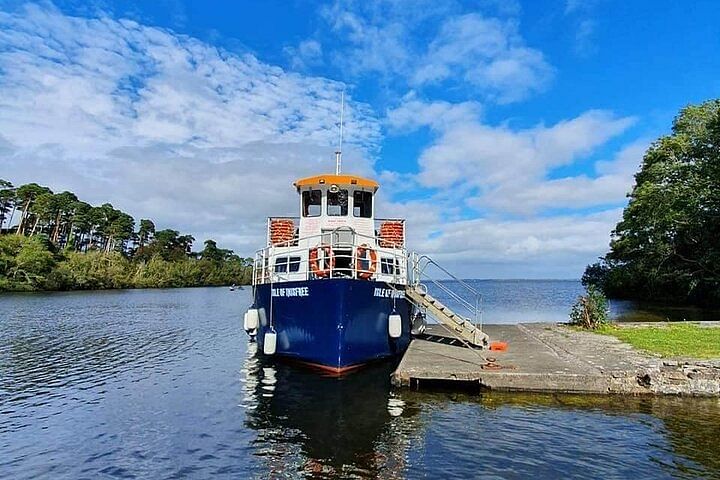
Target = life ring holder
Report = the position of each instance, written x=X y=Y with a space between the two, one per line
x=329 y=261
x=362 y=273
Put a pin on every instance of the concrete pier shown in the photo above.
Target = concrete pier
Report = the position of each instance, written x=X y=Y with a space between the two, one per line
x=545 y=357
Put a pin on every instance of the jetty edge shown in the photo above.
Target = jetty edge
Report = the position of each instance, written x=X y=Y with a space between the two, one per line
x=547 y=358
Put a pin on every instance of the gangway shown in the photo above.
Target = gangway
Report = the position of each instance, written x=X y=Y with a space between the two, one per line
x=463 y=327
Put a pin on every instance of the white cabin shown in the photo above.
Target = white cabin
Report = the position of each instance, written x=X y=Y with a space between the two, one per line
x=336 y=235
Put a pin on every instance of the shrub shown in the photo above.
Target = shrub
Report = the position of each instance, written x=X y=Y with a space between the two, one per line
x=591 y=310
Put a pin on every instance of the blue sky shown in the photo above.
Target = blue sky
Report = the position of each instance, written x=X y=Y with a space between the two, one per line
x=506 y=132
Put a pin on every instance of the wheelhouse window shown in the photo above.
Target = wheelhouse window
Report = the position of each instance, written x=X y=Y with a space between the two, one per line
x=312 y=203
x=388 y=266
x=287 y=264
x=362 y=204
x=337 y=203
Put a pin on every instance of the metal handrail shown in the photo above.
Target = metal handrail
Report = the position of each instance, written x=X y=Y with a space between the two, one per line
x=419 y=273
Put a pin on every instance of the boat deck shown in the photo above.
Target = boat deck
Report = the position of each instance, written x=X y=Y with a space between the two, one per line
x=547 y=358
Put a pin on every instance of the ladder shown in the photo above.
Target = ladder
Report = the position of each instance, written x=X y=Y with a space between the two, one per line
x=461 y=326
x=464 y=295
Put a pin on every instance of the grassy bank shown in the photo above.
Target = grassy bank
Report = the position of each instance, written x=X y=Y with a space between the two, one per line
x=672 y=340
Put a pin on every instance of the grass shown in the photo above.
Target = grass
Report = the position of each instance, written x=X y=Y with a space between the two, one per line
x=672 y=340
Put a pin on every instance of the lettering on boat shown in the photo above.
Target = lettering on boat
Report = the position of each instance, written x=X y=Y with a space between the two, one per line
x=291 y=292
x=389 y=293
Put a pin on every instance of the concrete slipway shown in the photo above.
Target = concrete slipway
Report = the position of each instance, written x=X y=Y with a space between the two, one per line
x=544 y=357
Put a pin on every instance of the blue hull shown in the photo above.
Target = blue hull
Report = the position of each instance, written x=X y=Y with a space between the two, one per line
x=334 y=323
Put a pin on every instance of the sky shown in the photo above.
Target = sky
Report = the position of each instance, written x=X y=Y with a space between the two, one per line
x=506 y=133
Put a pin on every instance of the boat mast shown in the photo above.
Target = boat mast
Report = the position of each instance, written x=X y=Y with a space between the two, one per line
x=338 y=152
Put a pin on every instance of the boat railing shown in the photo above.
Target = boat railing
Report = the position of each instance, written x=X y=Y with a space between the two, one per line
x=343 y=242
x=426 y=271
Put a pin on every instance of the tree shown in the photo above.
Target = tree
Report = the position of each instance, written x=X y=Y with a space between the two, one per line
x=212 y=253
x=146 y=231
x=81 y=224
x=43 y=211
x=667 y=245
x=65 y=203
x=26 y=195
x=7 y=201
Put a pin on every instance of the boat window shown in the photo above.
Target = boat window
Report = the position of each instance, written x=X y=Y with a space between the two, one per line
x=337 y=203
x=388 y=266
x=287 y=264
x=294 y=264
x=362 y=204
x=311 y=203
x=281 y=265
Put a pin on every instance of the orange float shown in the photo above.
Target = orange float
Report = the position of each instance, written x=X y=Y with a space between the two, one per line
x=329 y=261
x=365 y=273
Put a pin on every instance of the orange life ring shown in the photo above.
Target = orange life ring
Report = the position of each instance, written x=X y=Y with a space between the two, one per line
x=329 y=261
x=365 y=273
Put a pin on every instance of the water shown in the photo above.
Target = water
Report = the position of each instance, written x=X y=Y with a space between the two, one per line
x=163 y=384
x=515 y=301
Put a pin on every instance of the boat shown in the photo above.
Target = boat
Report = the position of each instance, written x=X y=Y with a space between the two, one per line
x=329 y=286
x=333 y=287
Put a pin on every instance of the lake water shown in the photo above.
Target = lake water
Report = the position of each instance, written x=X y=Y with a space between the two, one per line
x=163 y=384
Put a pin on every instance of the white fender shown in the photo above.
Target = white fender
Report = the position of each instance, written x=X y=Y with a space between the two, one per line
x=270 y=343
x=252 y=319
x=394 y=325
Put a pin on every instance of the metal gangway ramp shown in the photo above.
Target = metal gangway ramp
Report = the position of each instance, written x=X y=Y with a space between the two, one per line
x=466 y=328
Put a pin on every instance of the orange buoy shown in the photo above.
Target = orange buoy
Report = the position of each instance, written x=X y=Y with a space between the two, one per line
x=365 y=273
x=316 y=263
x=499 y=346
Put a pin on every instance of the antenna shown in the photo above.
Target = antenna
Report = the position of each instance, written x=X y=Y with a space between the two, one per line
x=338 y=152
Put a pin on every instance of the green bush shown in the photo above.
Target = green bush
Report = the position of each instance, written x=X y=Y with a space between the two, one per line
x=591 y=310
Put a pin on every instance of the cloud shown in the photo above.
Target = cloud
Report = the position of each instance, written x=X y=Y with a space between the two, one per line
x=164 y=125
x=413 y=113
x=481 y=51
x=581 y=14
x=498 y=160
x=488 y=53
x=307 y=54
x=494 y=247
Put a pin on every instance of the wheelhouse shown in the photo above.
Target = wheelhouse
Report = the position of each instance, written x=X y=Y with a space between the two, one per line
x=336 y=235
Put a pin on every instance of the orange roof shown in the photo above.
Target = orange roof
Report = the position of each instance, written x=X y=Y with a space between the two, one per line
x=330 y=179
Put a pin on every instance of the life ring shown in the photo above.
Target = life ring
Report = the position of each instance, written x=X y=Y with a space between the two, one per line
x=365 y=273
x=328 y=261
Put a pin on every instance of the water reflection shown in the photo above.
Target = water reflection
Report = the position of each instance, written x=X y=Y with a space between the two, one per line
x=312 y=424
x=357 y=427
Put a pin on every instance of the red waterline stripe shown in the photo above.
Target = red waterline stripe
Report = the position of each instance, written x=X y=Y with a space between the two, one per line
x=332 y=371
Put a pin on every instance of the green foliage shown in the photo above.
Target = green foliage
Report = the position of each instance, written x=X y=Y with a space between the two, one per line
x=62 y=243
x=25 y=262
x=591 y=310
x=667 y=245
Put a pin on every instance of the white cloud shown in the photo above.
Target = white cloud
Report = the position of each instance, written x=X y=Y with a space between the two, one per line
x=494 y=247
x=580 y=13
x=413 y=113
x=488 y=53
x=482 y=51
x=307 y=54
x=163 y=125
x=509 y=168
